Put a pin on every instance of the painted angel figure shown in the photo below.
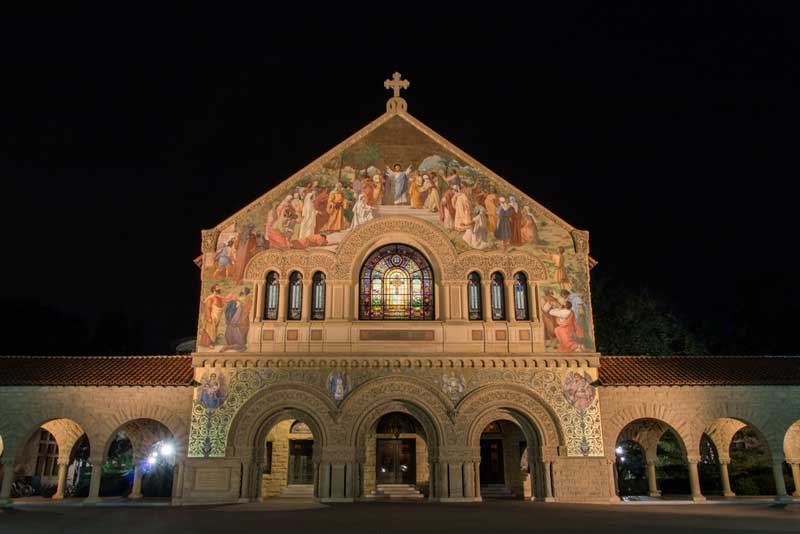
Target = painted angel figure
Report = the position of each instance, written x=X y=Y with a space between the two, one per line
x=400 y=182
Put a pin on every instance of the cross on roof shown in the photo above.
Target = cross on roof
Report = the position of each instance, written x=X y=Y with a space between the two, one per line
x=396 y=84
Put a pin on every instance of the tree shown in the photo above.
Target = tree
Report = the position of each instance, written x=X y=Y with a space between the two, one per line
x=638 y=322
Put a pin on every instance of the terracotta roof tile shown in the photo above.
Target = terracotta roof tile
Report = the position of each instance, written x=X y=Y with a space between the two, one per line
x=699 y=370
x=96 y=370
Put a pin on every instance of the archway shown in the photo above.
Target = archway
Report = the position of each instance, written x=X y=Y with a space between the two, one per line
x=46 y=461
x=506 y=467
x=396 y=459
x=651 y=461
x=288 y=455
x=139 y=461
x=791 y=451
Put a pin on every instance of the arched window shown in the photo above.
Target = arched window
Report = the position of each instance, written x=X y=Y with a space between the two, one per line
x=520 y=297
x=396 y=283
x=498 y=298
x=271 y=302
x=474 y=301
x=295 y=296
x=318 y=297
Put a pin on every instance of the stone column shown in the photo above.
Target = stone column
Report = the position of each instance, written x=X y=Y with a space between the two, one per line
x=651 y=479
x=306 y=301
x=327 y=300
x=511 y=309
x=694 y=481
x=63 y=464
x=136 y=490
x=533 y=302
x=780 y=485
x=613 y=487
x=726 y=481
x=469 y=480
x=445 y=313
x=464 y=302
x=94 y=483
x=548 y=482
x=487 y=300
x=258 y=302
x=324 y=480
x=283 y=283
x=9 y=463
x=795 y=466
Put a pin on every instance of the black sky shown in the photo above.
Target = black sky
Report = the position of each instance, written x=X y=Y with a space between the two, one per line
x=670 y=133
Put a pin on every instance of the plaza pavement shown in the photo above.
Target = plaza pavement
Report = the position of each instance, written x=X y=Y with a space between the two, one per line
x=389 y=518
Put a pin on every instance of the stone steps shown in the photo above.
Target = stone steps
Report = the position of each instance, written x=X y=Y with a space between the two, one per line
x=298 y=491
x=396 y=492
x=496 y=491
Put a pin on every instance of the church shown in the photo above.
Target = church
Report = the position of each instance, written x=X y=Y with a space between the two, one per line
x=395 y=321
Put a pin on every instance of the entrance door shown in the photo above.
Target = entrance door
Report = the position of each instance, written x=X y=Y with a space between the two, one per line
x=396 y=462
x=492 y=470
x=301 y=465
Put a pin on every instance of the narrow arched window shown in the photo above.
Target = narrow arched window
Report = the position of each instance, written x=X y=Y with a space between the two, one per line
x=498 y=298
x=474 y=301
x=520 y=297
x=318 y=297
x=271 y=302
x=295 y=296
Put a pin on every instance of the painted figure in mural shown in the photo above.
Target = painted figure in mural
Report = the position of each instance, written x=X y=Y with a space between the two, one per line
x=399 y=182
x=309 y=216
x=504 y=232
x=337 y=202
x=529 y=231
x=463 y=209
x=212 y=389
x=491 y=203
x=516 y=222
x=297 y=203
x=567 y=330
x=237 y=317
x=377 y=192
x=430 y=189
x=447 y=211
x=579 y=308
x=368 y=188
x=213 y=305
x=337 y=385
x=415 y=190
x=453 y=385
x=225 y=258
x=561 y=268
x=321 y=207
x=477 y=236
x=362 y=211
x=246 y=247
x=454 y=179
x=579 y=391
x=549 y=302
x=282 y=229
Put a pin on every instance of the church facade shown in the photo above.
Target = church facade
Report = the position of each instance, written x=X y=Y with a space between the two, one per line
x=394 y=320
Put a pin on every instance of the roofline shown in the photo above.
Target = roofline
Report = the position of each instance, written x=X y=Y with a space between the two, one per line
x=366 y=130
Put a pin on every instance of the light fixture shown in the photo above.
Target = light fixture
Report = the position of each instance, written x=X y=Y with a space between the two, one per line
x=619 y=450
x=167 y=449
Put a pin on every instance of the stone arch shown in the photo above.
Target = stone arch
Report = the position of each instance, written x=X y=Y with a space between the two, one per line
x=614 y=426
x=422 y=235
x=317 y=408
x=791 y=443
x=765 y=425
x=363 y=401
x=284 y=261
x=517 y=402
x=162 y=415
x=67 y=430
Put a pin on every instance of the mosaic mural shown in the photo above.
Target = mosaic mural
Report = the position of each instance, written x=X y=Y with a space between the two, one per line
x=568 y=394
x=394 y=170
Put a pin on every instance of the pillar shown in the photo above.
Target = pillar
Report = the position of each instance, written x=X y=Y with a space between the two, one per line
x=548 y=482
x=464 y=302
x=694 y=481
x=136 y=490
x=306 y=302
x=445 y=313
x=94 y=483
x=9 y=463
x=324 y=480
x=613 y=486
x=258 y=303
x=63 y=464
x=469 y=480
x=651 y=479
x=511 y=311
x=795 y=466
x=726 y=481
x=283 y=298
x=780 y=485
x=533 y=302
x=487 y=300
x=328 y=308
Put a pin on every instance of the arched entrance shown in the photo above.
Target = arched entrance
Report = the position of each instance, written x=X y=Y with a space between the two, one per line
x=287 y=457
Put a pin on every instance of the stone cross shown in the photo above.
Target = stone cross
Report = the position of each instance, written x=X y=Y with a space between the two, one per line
x=396 y=84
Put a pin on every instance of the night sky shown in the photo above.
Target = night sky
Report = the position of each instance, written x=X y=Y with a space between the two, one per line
x=669 y=133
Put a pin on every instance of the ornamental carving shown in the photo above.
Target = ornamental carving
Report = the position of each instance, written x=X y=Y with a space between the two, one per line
x=581 y=240
x=283 y=262
x=508 y=264
x=208 y=243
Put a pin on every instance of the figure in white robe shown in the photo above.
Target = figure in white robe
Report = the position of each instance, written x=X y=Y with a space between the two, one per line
x=309 y=215
x=477 y=235
x=362 y=211
x=463 y=209
x=399 y=182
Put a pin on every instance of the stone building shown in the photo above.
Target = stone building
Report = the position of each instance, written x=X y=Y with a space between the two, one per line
x=393 y=321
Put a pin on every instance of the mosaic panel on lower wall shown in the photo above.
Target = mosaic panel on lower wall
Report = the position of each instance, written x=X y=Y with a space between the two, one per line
x=569 y=394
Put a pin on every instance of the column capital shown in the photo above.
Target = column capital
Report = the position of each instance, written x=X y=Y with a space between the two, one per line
x=724 y=461
x=652 y=462
x=693 y=460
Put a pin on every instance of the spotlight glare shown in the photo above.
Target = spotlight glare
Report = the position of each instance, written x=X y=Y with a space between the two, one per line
x=167 y=449
x=619 y=450
x=151 y=460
